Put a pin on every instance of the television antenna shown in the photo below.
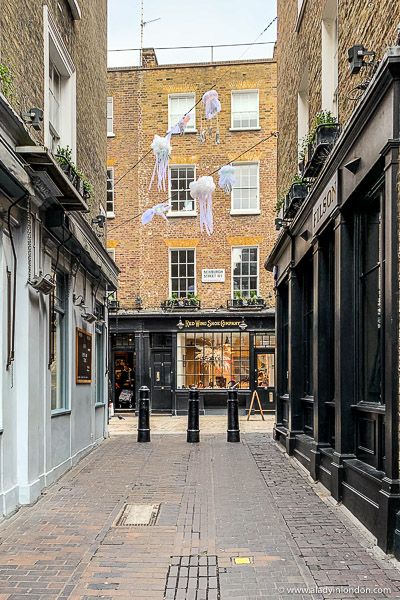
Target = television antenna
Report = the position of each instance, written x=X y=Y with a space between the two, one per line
x=143 y=24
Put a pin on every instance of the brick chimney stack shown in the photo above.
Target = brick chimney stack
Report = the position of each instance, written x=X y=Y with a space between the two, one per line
x=149 y=58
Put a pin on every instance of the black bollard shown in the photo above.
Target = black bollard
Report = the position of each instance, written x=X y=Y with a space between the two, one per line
x=144 y=415
x=233 y=433
x=193 y=430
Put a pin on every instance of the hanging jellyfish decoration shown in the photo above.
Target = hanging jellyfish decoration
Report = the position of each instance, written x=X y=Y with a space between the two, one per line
x=180 y=125
x=162 y=148
x=158 y=209
x=227 y=178
x=212 y=106
x=202 y=190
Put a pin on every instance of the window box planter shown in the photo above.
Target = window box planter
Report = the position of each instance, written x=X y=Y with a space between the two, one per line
x=246 y=303
x=294 y=199
x=318 y=150
x=113 y=305
x=70 y=172
x=181 y=304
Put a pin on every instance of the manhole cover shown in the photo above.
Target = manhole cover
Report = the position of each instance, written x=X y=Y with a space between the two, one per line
x=138 y=514
x=193 y=577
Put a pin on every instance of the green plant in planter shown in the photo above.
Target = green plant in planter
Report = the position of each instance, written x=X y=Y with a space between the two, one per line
x=64 y=159
x=296 y=179
x=193 y=299
x=323 y=117
x=64 y=156
x=6 y=80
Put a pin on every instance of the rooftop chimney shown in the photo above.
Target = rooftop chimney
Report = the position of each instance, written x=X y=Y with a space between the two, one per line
x=149 y=58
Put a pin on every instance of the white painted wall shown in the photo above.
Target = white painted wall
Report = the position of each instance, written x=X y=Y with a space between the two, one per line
x=36 y=447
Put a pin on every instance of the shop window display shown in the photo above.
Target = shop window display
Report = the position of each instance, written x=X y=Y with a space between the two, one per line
x=213 y=360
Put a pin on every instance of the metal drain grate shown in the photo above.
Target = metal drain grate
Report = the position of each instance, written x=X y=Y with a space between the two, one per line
x=194 y=577
x=138 y=515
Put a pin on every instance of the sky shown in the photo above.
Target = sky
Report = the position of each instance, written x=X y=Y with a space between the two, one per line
x=190 y=23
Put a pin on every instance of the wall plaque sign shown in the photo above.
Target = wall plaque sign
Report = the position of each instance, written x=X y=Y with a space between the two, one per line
x=325 y=204
x=83 y=356
x=213 y=275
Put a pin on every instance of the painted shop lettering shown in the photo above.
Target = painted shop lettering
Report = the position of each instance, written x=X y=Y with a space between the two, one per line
x=209 y=323
x=325 y=205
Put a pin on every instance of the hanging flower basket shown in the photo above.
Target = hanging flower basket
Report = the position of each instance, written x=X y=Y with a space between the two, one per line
x=319 y=148
x=294 y=199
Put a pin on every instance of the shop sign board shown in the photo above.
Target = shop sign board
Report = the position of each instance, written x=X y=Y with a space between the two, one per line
x=325 y=204
x=212 y=323
x=213 y=275
x=83 y=356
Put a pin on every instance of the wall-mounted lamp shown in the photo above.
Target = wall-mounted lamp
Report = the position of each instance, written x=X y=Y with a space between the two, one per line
x=356 y=55
x=180 y=324
x=99 y=220
x=33 y=117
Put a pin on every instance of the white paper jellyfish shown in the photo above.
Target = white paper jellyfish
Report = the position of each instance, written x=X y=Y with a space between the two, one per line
x=226 y=178
x=161 y=147
x=180 y=125
x=158 y=209
x=202 y=190
x=212 y=106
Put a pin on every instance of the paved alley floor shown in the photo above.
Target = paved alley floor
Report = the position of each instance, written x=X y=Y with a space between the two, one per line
x=225 y=521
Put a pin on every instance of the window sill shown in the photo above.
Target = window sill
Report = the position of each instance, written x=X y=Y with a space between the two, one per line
x=110 y=215
x=235 y=213
x=244 y=128
x=186 y=131
x=99 y=404
x=60 y=412
x=183 y=214
x=110 y=135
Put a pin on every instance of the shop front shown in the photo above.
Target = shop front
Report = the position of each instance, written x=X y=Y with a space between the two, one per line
x=336 y=268
x=212 y=352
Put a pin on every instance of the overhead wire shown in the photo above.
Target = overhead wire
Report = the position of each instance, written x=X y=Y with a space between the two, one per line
x=273 y=134
x=142 y=158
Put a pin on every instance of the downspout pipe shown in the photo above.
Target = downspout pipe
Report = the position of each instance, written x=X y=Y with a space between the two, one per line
x=11 y=355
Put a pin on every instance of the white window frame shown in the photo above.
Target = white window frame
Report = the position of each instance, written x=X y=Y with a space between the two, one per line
x=232 y=266
x=180 y=213
x=237 y=92
x=62 y=364
x=56 y=52
x=329 y=57
x=111 y=214
x=170 y=270
x=191 y=126
x=248 y=211
x=110 y=103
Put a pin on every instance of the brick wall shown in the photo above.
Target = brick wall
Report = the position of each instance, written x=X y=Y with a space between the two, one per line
x=141 y=111
x=21 y=49
x=372 y=24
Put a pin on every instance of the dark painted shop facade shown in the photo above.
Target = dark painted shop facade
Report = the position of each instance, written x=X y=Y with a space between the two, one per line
x=336 y=268
x=172 y=352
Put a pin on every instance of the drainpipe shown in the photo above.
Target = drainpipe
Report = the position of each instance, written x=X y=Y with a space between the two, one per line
x=11 y=354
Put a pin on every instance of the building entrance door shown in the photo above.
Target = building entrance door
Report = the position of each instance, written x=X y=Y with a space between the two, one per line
x=161 y=378
x=265 y=378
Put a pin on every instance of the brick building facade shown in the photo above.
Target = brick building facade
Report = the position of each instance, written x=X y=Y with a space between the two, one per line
x=149 y=100
x=54 y=268
x=336 y=258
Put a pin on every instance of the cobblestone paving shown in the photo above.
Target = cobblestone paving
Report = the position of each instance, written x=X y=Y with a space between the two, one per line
x=218 y=502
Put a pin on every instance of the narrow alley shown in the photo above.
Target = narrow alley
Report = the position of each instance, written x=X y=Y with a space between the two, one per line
x=230 y=521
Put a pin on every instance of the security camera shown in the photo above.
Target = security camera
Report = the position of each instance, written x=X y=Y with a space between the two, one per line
x=99 y=220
